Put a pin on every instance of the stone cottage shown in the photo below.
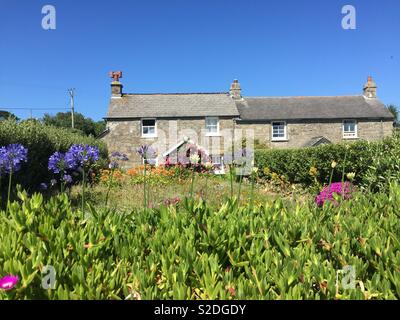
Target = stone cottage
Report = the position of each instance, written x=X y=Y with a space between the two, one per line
x=219 y=122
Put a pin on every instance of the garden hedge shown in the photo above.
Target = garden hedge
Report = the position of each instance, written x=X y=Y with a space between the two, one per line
x=374 y=163
x=41 y=141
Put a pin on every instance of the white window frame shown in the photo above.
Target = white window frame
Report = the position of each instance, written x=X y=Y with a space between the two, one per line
x=148 y=135
x=350 y=134
x=216 y=156
x=284 y=138
x=212 y=134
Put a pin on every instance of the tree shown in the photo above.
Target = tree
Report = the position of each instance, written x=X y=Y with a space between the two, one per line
x=4 y=115
x=394 y=110
x=86 y=125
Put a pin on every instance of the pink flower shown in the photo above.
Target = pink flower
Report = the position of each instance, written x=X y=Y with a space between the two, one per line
x=8 y=282
x=327 y=193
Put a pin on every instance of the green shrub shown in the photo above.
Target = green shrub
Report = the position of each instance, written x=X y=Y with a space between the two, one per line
x=360 y=157
x=41 y=141
x=384 y=166
x=274 y=251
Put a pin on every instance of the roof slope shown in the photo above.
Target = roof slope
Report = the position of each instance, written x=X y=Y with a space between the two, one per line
x=172 y=105
x=317 y=141
x=299 y=108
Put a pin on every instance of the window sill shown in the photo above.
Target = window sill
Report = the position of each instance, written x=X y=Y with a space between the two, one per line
x=280 y=140
x=149 y=137
x=213 y=135
x=351 y=138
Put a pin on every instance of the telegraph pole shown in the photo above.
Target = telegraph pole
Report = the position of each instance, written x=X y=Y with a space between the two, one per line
x=71 y=94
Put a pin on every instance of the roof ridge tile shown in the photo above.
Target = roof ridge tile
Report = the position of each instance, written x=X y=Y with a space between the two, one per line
x=304 y=97
x=174 y=93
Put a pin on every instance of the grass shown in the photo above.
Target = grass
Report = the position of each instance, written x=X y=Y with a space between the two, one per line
x=127 y=195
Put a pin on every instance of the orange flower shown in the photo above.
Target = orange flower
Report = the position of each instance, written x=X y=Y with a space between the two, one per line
x=104 y=174
x=153 y=171
x=117 y=175
x=131 y=172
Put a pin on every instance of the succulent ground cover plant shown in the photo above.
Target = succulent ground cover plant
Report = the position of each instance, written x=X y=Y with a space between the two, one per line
x=185 y=248
x=276 y=250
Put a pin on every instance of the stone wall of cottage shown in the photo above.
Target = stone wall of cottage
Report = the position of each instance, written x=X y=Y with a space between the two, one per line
x=125 y=136
x=300 y=133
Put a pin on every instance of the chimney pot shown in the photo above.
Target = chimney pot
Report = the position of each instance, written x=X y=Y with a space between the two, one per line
x=116 y=85
x=370 y=88
x=235 y=90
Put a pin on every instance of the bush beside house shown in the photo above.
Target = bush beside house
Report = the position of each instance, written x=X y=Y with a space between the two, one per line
x=41 y=141
x=374 y=163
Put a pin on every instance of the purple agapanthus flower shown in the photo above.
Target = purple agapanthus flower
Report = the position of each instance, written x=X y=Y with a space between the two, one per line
x=113 y=165
x=12 y=157
x=57 y=162
x=2 y=158
x=119 y=156
x=79 y=156
x=146 y=152
x=8 y=282
x=67 y=178
x=116 y=157
x=341 y=189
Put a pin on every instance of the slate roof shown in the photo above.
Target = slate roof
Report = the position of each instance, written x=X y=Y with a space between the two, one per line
x=174 y=105
x=250 y=109
x=317 y=141
x=308 y=108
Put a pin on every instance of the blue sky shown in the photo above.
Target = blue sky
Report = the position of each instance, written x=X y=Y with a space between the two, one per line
x=274 y=48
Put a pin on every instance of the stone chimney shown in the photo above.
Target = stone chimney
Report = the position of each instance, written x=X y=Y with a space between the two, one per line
x=370 y=88
x=116 y=86
x=235 y=91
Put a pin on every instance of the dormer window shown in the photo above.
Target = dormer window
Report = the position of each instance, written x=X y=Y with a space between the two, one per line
x=149 y=129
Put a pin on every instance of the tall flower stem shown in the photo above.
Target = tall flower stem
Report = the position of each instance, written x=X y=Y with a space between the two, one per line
x=330 y=180
x=205 y=192
x=343 y=171
x=192 y=185
x=9 y=189
x=231 y=179
x=62 y=183
x=240 y=184
x=148 y=195
x=252 y=193
x=110 y=181
x=83 y=189
x=144 y=186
